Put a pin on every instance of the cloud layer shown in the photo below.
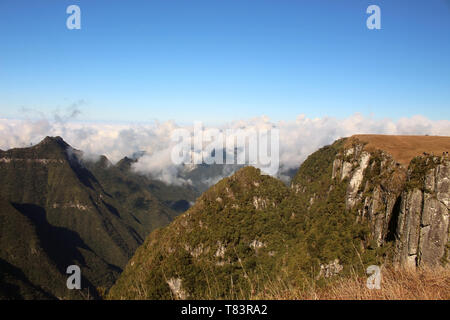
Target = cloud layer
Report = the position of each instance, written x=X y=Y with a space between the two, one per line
x=298 y=138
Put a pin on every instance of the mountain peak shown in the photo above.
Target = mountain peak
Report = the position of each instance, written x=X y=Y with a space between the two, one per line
x=48 y=148
x=125 y=163
x=247 y=187
x=248 y=170
x=55 y=141
x=242 y=177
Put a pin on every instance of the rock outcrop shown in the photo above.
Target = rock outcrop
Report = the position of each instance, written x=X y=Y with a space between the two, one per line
x=409 y=207
x=375 y=183
x=423 y=222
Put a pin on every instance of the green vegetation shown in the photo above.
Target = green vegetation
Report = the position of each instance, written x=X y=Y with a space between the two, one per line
x=418 y=169
x=247 y=231
x=250 y=229
x=57 y=210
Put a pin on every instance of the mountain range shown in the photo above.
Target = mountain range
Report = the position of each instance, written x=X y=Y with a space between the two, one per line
x=363 y=200
x=58 y=209
x=351 y=204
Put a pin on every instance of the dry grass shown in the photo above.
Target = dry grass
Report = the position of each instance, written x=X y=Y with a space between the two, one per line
x=404 y=148
x=396 y=284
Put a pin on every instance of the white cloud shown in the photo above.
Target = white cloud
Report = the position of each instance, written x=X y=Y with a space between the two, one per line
x=298 y=138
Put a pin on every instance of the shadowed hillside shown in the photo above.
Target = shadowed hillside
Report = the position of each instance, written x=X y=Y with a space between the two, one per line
x=58 y=210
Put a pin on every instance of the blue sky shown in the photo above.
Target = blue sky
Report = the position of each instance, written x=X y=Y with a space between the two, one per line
x=218 y=60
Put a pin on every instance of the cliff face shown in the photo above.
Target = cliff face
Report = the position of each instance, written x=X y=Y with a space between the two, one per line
x=406 y=206
x=375 y=182
x=423 y=222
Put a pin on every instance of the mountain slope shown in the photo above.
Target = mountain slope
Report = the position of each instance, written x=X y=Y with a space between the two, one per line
x=341 y=214
x=72 y=215
x=204 y=251
x=138 y=196
x=23 y=249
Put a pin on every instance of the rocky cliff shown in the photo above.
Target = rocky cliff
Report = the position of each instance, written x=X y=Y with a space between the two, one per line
x=375 y=182
x=408 y=206
x=423 y=223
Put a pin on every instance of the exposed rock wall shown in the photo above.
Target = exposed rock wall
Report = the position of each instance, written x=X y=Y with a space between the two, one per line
x=409 y=207
x=423 y=223
x=375 y=182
